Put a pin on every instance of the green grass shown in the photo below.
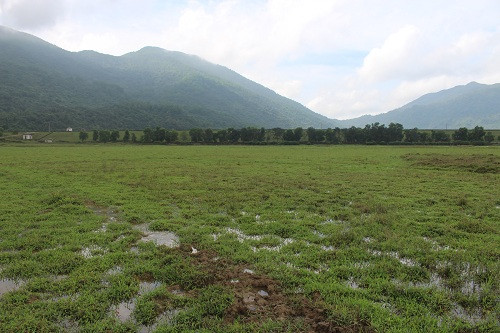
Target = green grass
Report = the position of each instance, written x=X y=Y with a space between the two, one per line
x=390 y=239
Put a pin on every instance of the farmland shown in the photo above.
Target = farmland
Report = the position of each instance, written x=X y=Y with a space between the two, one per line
x=126 y=238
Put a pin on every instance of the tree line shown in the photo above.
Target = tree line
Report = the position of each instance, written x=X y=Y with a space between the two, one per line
x=375 y=133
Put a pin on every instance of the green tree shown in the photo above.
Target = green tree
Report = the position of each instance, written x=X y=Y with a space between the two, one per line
x=147 y=135
x=196 y=134
x=489 y=137
x=278 y=133
x=462 y=134
x=221 y=136
x=477 y=134
x=104 y=136
x=394 y=132
x=133 y=137
x=95 y=135
x=83 y=136
x=288 y=135
x=114 y=136
x=171 y=136
x=159 y=134
x=440 y=136
x=297 y=133
x=208 y=135
x=233 y=135
x=126 y=136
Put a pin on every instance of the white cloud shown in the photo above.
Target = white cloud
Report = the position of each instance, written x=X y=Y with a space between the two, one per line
x=394 y=58
x=294 y=46
x=31 y=14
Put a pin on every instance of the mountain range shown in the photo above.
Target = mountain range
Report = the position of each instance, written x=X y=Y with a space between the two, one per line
x=42 y=84
x=461 y=106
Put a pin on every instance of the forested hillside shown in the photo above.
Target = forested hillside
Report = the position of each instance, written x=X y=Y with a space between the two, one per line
x=43 y=84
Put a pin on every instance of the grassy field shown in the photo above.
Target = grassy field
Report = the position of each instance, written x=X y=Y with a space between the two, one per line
x=115 y=238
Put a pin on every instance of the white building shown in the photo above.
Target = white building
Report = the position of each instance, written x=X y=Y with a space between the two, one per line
x=69 y=129
x=27 y=136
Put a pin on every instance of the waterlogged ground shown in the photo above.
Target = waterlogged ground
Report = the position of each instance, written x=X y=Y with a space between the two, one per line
x=248 y=239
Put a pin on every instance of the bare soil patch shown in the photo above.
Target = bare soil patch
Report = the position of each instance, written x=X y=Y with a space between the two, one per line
x=258 y=297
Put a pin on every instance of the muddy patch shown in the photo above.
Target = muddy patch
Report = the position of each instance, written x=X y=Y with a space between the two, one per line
x=166 y=238
x=257 y=296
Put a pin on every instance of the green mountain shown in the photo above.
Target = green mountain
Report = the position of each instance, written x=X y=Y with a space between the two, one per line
x=462 y=106
x=42 y=83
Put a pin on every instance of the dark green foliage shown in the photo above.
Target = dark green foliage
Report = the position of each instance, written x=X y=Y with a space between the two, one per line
x=104 y=136
x=196 y=134
x=315 y=135
x=126 y=136
x=233 y=135
x=488 y=137
x=462 y=134
x=208 y=136
x=95 y=135
x=83 y=136
x=114 y=136
x=288 y=135
x=439 y=136
x=252 y=134
x=477 y=134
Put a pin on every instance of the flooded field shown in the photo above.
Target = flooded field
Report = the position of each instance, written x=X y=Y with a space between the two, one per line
x=243 y=239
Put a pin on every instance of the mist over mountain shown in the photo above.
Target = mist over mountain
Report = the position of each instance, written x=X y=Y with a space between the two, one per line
x=42 y=83
x=462 y=106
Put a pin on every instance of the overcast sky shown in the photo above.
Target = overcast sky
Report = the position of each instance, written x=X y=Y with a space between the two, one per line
x=341 y=58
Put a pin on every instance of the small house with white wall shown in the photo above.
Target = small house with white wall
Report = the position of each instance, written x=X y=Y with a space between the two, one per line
x=69 y=129
x=27 y=136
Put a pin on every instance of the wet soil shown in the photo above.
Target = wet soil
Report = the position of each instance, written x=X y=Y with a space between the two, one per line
x=258 y=297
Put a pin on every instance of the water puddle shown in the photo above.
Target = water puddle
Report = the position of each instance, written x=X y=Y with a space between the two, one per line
x=472 y=317
x=319 y=234
x=92 y=251
x=146 y=287
x=8 y=285
x=403 y=260
x=109 y=213
x=361 y=265
x=351 y=283
x=114 y=271
x=166 y=238
x=68 y=325
x=367 y=239
x=165 y=318
x=241 y=236
x=124 y=310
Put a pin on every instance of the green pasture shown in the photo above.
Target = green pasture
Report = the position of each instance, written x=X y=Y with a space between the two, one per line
x=367 y=238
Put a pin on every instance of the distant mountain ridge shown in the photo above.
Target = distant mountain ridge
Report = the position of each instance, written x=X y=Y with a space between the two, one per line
x=42 y=83
x=461 y=106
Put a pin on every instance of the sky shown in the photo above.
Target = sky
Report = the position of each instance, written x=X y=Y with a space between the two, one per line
x=340 y=58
